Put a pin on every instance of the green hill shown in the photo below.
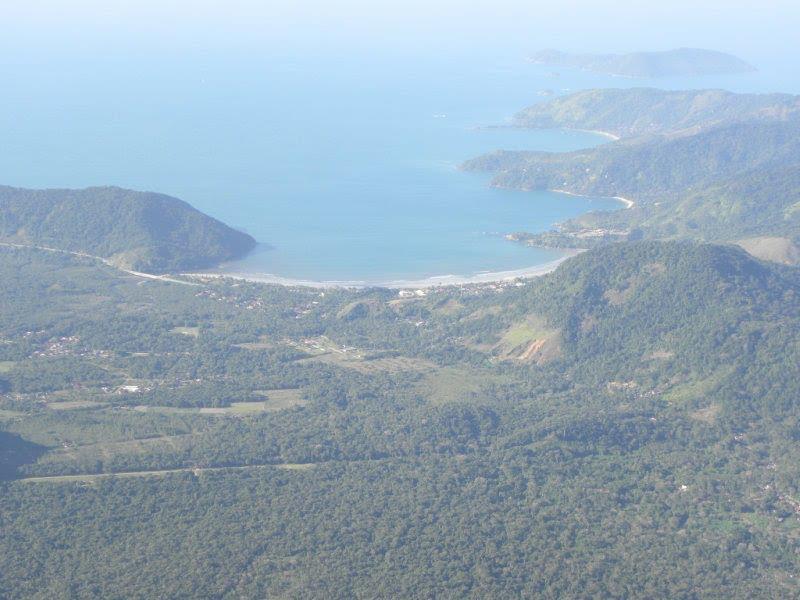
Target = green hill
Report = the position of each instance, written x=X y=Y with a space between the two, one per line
x=650 y=168
x=134 y=230
x=646 y=111
x=674 y=317
x=669 y=63
x=663 y=317
x=759 y=208
x=750 y=204
x=706 y=165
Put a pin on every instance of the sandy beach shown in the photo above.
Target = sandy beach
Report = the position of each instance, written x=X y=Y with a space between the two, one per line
x=429 y=282
x=606 y=134
x=626 y=201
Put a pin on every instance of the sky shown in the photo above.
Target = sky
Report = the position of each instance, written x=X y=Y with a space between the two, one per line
x=752 y=28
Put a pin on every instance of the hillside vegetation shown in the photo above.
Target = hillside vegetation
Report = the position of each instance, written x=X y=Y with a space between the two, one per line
x=759 y=209
x=134 y=230
x=705 y=165
x=648 y=170
x=624 y=427
x=646 y=111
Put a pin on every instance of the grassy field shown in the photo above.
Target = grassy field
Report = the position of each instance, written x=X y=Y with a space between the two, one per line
x=530 y=340
x=75 y=405
x=524 y=333
x=449 y=308
x=105 y=451
x=255 y=346
x=323 y=349
x=276 y=400
x=197 y=471
x=190 y=331
x=6 y=415
x=167 y=410
x=697 y=389
x=451 y=385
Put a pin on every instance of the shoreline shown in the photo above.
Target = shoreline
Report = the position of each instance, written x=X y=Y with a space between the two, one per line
x=606 y=134
x=436 y=281
x=626 y=201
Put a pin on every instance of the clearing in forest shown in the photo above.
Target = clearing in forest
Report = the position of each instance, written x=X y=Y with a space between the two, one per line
x=530 y=341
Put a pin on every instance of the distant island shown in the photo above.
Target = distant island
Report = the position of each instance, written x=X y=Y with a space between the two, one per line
x=669 y=63
x=141 y=231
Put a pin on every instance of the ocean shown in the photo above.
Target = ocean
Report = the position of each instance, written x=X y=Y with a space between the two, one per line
x=343 y=167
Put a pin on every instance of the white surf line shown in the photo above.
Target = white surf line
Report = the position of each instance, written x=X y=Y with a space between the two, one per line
x=486 y=278
x=626 y=201
x=400 y=284
x=105 y=261
x=606 y=134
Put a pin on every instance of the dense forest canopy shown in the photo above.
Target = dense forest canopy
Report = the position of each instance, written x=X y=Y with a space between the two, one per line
x=134 y=230
x=603 y=430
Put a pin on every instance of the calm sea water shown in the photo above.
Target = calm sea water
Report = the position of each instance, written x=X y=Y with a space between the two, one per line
x=343 y=167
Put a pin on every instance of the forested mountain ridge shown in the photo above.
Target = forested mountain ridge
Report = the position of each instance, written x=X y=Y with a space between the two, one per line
x=760 y=207
x=704 y=312
x=646 y=111
x=649 y=169
x=660 y=317
x=706 y=165
x=681 y=61
x=134 y=230
x=624 y=426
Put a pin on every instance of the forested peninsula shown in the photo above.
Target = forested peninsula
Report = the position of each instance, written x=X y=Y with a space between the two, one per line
x=133 y=230
x=704 y=165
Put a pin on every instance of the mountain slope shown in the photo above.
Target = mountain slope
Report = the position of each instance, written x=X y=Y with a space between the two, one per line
x=707 y=165
x=759 y=209
x=646 y=111
x=134 y=230
x=669 y=320
x=644 y=170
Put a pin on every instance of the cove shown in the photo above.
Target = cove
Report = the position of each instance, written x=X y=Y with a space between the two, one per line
x=344 y=168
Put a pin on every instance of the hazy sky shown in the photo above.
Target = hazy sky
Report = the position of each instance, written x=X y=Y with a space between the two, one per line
x=745 y=26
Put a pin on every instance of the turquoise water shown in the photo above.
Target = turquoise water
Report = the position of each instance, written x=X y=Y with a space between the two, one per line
x=344 y=168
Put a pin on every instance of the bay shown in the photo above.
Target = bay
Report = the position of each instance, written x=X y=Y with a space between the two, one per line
x=343 y=167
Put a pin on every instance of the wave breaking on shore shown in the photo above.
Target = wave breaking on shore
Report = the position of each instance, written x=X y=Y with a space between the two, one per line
x=427 y=282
